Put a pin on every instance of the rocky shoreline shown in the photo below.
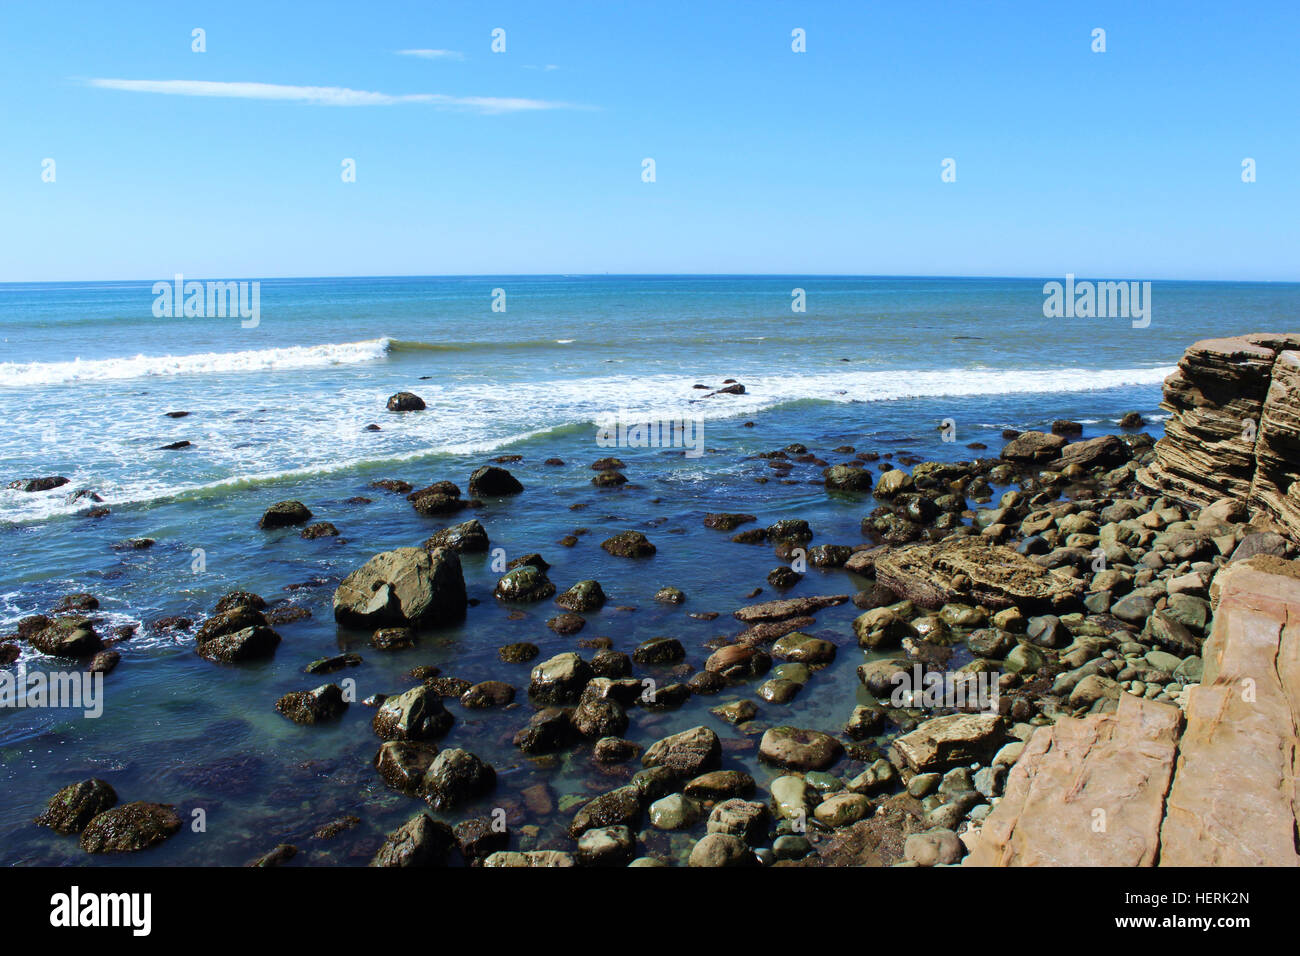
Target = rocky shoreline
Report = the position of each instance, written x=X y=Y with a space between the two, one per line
x=1008 y=640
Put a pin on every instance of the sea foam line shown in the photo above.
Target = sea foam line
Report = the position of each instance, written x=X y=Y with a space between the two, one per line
x=144 y=366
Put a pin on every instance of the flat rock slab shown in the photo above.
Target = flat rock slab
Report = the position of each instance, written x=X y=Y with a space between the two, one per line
x=973 y=571
x=1086 y=792
x=791 y=607
x=944 y=741
x=1234 y=797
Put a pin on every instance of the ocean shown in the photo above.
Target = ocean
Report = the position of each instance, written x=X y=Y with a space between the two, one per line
x=923 y=367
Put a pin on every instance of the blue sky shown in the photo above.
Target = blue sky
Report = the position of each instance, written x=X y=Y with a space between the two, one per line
x=1118 y=164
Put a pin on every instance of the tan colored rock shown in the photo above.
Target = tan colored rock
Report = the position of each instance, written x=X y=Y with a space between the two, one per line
x=1234 y=797
x=1086 y=792
x=945 y=741
x=973 y=571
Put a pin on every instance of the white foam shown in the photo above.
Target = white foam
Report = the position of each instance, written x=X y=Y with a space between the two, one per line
x=144 y=366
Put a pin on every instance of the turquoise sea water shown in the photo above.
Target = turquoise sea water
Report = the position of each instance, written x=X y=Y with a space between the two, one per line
x=87 y=373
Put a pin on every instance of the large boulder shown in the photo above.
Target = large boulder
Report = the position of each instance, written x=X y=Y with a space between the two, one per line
x=66 y=637
x=406 y=586
x=492 y=482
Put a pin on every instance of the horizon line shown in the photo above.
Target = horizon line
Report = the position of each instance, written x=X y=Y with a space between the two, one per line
x=656 y=275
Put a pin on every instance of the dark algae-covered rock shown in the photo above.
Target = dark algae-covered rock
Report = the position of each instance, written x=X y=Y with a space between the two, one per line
x=629 y=544
x=405 y=402
x=130 y=827
x=282 y=514
x=73 y=807
x=492 y=482
x=421 y=841
x=313 y=706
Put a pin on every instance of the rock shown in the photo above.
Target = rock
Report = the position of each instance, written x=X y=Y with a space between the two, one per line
x=1086 y=792
x=321 y=529
x=614 y=750
x=788 y=608
x=492 y=482
x=892 y=483
x=600 y=718
x=842 y=809
x=738 y=661
x=393 y=638
x=403 y=763
x=1266 y=542
x=933 y=848
x=421 y=841
x=722 y=849
x=560 y=679
x=629 y=544
x=804 y=648
x=687 y=754
x=846 y=478
x=405 y=402
x=727 y=521
x=313 y=706
x=621 y=807
x=583 y=596
x=973 y=571
x=525 y=584
x=479 y=837
x=670 y=595
x=606 y=846
x=455 y=777
x=547 y=730
x=743 y=818
x=1092 y=689
x=778 y=690
x=942 y=742
x=532 y=858
x=468 y=537
x=403 y=587
x=737 y=712
x=1033 y=446
x=674 y=812
x=519 y=653
x=251 y=643
x=417 y=714
x=488 y=693
x=130 y=827
x=1106 y=451
x=1232 y=799
x=283 y=514
x=104 y=662
x=1133 y=608
x=720 y=785
x=798 y=749
x=790 y=797
x=65 y=637
x=659 y=650
x=73 y=807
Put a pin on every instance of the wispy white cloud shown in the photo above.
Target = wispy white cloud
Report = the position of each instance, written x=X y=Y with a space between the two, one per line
x=328 y=95
x=433 y=54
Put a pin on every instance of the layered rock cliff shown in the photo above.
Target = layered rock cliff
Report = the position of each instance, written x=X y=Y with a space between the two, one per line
x=1235 y=428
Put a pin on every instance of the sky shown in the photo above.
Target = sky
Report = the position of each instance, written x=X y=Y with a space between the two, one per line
x=229 y=163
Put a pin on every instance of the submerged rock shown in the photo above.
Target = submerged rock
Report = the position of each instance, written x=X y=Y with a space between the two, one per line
x=629 y=544
x=72 y=808
x=130 y=827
